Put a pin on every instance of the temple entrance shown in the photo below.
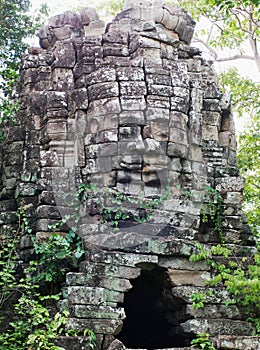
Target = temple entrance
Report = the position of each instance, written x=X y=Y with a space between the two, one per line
x=153 y=315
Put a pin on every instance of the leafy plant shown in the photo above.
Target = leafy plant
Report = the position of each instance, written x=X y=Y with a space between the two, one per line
x=211 y=210
x=16 y=24
x=241 y=279
x=91 y=340
x=34 y=325
x=34 y=328
x=53 y=254
x=198 y=300
x=203 y=342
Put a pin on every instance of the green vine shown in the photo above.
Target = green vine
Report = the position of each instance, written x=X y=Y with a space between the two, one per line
x=33 y=322
x=211 y=211
x=239 y=277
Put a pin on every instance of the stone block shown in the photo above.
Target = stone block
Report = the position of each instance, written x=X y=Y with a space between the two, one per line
x=211 y=105
x=104 y=136
x=117 y=37
x=101 y=150
x=47 y=211
x=178 y=120
x=56 y=99
x=110 y=270
x=228 y=139
x=177 y=150
x=86 y=279
x=154 y=101
x=132 y=88
x=218 y=295
x=103 y=107
x=215 y=311
x=158 y=131
x=130 y=103
x=160 y=90
x=133 y=188
x=113 y=296
x=216 y=327
x=158 y=79
x=157 y=114
x=101 y=75
x=227 y=123
x=64 y=55
x=152 y=56
x=230 y=184
x=233 y=198
x=95 y=27
x=78 y=99
x=128 y=176
x=101 y=122
x=86 y=295
x=101 y=326
x=131 y=117
x=128 y=162
x=130 y=74
x=87 y=15
x=183 y=263
x=99 y=165
x=94 y=312
x=179 y=104
x=115 y=50
x=103 y=90
x=57 y=129
x=124 y=259
x=81 y=71
x=187 y=278
x=237 y=342
x=178 y=136
x=210 y=133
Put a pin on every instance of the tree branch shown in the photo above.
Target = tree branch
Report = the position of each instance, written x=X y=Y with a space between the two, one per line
x=223 y=59
x=235 y=57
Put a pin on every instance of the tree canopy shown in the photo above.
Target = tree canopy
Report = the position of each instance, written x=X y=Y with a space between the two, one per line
x=16 y=24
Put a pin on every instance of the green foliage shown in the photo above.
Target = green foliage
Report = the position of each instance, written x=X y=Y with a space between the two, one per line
x=232 y=22
x=35 y=325
x=9 y=241
x=52 y=257
x=203 y=342
x=212 y=210
x=35 y=328
x=240 y=278
x=16 y=24
x=198 y=300
x=91 y=338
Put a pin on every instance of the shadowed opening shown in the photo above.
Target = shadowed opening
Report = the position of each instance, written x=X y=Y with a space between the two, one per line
x=153 y=315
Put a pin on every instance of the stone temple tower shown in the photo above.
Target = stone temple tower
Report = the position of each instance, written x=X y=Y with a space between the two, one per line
x=134 y=116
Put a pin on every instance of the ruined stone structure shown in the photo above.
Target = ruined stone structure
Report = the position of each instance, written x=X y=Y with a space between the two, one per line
x=134 y=108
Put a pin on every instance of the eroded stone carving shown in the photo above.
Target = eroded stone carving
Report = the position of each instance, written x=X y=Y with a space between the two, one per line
x=131 y=107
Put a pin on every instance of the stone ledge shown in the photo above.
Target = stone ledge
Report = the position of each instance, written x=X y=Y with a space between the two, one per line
x=237 y=342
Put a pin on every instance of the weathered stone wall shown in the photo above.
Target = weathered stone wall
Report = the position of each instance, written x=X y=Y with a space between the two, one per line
x=134 y=108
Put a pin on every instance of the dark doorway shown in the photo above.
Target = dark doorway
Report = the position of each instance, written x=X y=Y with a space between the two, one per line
x=153 y=315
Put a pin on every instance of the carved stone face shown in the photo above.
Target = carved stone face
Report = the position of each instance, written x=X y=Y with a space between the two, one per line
x=128 y=110
x=132 y=109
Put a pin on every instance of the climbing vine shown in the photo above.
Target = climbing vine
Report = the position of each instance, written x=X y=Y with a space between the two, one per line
x=239 y=277
x=33 y=322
